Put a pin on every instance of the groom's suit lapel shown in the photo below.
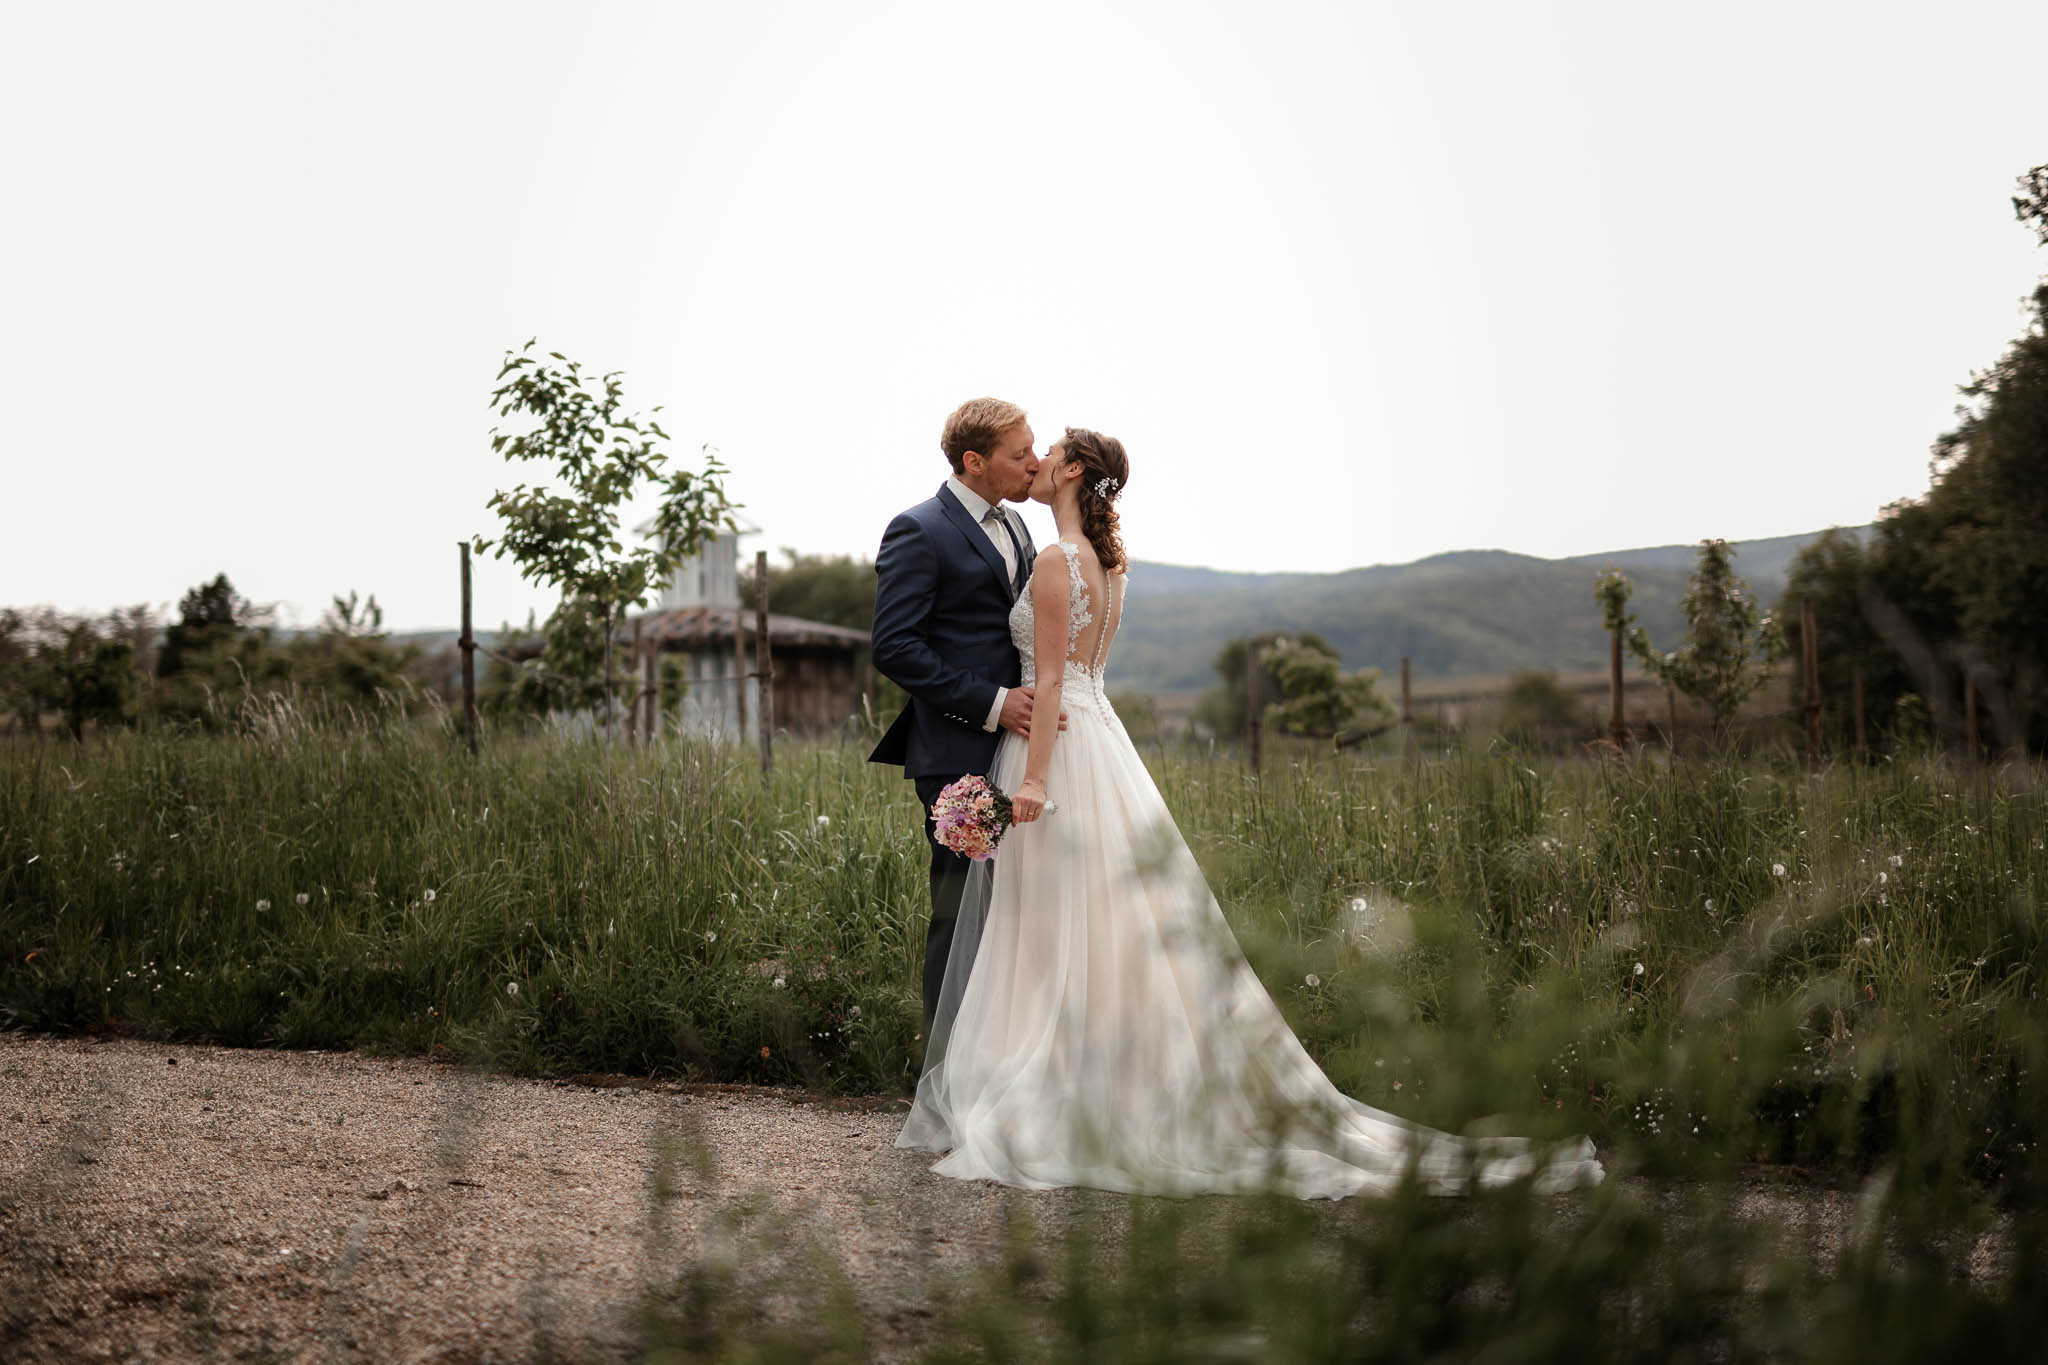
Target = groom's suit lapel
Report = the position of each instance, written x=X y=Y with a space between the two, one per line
x=978 y=539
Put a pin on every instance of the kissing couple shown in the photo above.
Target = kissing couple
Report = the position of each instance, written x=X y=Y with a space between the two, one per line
x=1090 y=1018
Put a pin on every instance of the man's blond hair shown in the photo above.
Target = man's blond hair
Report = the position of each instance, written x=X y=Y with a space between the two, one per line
x=977 y=424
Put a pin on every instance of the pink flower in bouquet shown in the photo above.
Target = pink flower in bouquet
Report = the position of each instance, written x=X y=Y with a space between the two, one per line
x=970 y=816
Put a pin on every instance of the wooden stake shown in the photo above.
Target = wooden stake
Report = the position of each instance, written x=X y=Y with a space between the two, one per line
x=1810 y=657
x=1254 y=726
x=1970 y=711
x=1856 y=700
x=1408 y=747
x=650 y=689
x=1615 y=729
x=633 y=698
x=764 y=661
x=739 y=673
x=468 y=643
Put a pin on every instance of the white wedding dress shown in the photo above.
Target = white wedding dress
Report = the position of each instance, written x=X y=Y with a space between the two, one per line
x=1111 y=1033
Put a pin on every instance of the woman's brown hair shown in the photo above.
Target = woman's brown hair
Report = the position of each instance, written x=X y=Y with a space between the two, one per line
x=1105 y=470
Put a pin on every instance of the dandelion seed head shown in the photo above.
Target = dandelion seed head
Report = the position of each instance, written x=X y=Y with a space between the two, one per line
x=1313 y=980
x=1639 y=969
x=511 y=988
x=428 y=895
x=1777 y=869
x=824 y=822
x=302 y=898
x=262 y=906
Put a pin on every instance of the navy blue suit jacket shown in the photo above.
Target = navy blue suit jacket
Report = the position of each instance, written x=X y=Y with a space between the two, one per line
x=942 y=634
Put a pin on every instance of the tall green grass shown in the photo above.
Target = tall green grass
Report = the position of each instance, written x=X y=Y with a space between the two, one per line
x=1713 y=962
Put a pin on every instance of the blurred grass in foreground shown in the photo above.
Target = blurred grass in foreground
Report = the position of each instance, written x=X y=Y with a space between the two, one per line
x=1717 y=962
x=1701 y=967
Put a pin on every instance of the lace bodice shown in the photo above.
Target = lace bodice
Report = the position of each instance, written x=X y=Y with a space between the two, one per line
x=1083 y=686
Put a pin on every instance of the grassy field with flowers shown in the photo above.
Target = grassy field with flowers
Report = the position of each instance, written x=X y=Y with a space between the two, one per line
x=1726 y=959
x=1704 y=966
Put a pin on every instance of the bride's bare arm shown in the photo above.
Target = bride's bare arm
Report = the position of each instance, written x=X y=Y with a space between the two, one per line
x=1049 y=593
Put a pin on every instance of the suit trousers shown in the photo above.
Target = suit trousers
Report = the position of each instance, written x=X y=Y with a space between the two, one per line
x=949 y=881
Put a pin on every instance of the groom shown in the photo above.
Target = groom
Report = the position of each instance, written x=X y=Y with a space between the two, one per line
x=947 y=574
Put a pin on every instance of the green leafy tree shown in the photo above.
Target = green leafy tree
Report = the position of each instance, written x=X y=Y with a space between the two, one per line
x=349 y=658
x=1612 y=591
x=1958 y=579
x=1222 y=709
x=1303 y=689
x=602 y=458
x=1839 y=577
x=95 y=677
x=208 y=615
x=1317 y=698
x=1731 y=643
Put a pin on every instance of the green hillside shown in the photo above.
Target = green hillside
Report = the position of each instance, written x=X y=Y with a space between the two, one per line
x=1474 y=612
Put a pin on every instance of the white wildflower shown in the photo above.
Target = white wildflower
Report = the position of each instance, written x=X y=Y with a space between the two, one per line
x=261 y=906
x=778 y=983
x=302 y=898
x=511 y=988
x=1639 y=969
x=854 y=1012
x=1777 y=869
x=1883 y=877
x=1896 y=861
x=428 y=895
x=1313 y=980
x=711 y=936
x=1710 y=905
x=824 y=822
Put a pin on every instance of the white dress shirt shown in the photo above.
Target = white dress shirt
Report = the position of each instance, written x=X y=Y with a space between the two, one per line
x=997 y=528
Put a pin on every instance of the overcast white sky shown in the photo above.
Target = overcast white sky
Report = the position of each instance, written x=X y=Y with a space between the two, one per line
x=1355 y=283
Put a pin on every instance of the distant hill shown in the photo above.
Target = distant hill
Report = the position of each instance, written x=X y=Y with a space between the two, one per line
x=1468 y=613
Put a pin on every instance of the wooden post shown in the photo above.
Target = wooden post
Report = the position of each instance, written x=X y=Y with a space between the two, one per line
x=650 y=689
x=633 y=698
x=1809 y=650
x=764 y=662
x=1856 y=700
x=1254 y=726
x=1970 y=711
x=468 y=643
x=1615 y=731
x=739 y=674
x=1408 y=746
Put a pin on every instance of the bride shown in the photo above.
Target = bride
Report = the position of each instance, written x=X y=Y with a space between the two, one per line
x=1111 y=1033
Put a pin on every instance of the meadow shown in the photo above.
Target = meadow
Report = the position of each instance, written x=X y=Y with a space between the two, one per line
x=1713 y=967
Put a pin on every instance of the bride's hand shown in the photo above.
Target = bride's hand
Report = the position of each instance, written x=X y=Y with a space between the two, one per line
x=1028 y=802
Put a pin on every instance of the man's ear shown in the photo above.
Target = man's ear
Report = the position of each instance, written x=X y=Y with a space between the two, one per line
x=973 y=462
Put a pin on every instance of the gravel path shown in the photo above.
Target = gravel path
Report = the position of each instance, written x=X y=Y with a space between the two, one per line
x=165 y=1202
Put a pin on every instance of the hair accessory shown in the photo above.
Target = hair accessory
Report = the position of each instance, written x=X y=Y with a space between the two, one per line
x=1104 y=487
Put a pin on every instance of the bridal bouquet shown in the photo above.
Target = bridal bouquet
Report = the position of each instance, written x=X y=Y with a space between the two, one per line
x=970 y=816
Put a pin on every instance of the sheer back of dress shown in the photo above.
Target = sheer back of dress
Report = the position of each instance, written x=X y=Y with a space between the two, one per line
x=1089 y=632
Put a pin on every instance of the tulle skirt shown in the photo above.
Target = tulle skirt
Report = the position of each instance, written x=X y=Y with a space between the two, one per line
x=1111 y=1034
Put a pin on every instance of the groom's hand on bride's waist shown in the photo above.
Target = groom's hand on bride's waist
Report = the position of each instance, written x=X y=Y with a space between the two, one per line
x=1016 y=716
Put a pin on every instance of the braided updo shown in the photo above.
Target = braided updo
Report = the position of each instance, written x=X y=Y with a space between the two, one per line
x=1100 y=457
